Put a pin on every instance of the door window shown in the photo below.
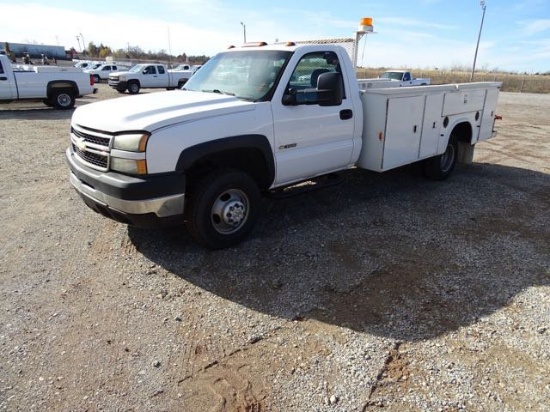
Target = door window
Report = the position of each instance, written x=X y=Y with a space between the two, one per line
x=311 y=66
x=149 y=70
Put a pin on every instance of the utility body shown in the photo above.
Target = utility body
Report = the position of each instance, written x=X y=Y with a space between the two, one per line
x=55 y=86
x=256 y=120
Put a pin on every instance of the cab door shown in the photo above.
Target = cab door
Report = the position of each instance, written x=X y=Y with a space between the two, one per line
x=311 y=139
x=150 y=77
x=161 y=80
x=6 y=90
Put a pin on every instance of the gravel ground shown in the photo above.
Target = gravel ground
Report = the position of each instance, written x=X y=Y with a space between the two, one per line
x=387 y=292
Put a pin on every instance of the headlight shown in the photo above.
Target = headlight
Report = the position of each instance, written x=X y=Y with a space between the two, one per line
x=134 y=142
x=129 y=166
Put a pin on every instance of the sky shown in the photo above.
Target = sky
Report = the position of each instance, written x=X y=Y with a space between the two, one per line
x=421 y=34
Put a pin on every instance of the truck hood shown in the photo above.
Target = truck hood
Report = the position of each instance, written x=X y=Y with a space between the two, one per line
x=152 y=111
x=119 y=73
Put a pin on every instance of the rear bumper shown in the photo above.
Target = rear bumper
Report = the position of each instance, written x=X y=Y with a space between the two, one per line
x=146 y=202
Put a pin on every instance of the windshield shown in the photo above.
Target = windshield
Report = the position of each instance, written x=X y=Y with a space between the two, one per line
x=246 y=74
x=137 y=68
x=392 y=75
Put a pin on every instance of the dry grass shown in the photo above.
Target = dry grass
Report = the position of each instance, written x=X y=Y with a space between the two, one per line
x=510 y=82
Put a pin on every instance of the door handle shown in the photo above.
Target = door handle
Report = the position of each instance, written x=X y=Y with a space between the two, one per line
x=346 y=114
x=3 y=78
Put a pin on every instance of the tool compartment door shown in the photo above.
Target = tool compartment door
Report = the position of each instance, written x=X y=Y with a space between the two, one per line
x=403 y=131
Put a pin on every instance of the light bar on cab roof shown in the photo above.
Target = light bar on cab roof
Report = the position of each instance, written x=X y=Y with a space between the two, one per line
x=260 y=44
x=255 y=44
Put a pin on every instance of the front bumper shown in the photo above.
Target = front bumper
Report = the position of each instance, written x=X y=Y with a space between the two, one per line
x=116 y=84
x=145 y=201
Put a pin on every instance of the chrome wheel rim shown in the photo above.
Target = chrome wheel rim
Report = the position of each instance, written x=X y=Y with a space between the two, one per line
x=230 y=211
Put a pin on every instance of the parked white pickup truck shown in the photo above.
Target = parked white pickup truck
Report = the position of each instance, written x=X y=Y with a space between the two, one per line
x=148 y=76
x=205 y=154
x=103 y=71
x=404 y=78
x=55 y=86
x=186 y=67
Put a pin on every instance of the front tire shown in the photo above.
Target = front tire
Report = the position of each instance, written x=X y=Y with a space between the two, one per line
x=223 y=208
x=440 y=167
x=133 y=88
x=63 y=99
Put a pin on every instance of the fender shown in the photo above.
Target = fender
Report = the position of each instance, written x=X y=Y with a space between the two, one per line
x=61 y=84
x=458 y=125
x=213 y=151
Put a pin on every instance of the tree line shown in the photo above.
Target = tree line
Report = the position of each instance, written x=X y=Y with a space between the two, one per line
x=102 y=51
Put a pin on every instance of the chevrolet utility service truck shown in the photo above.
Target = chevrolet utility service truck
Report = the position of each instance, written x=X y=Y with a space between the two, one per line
x=256 y=119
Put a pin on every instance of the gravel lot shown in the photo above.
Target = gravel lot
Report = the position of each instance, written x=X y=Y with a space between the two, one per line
x=387 y=292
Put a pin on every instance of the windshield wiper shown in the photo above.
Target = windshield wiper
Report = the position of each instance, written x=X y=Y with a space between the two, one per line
x=218 y=91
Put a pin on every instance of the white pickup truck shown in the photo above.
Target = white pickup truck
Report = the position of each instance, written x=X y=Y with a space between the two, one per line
x=404 y=78
x=186 y=67
x=205 y=154
x=103 y=71
x=152 y=75
x=55 y=86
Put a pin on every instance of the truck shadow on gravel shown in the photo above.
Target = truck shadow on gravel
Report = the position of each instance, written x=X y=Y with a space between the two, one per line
x=38 y=112
x=392 y=255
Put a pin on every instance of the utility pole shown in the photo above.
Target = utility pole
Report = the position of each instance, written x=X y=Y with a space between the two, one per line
x=244 y=31
x=78 y=40
x=483 y=7
x=83 y=43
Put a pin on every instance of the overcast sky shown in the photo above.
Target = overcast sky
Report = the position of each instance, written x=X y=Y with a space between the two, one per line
x=409 y=34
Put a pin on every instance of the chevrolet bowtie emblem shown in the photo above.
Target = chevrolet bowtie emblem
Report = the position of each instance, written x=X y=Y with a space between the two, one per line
x=80 y=143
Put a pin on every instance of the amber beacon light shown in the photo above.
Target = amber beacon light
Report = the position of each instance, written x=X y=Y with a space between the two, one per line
x=365 y=27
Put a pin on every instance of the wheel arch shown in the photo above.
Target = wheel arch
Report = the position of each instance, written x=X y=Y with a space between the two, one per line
x=63 y=84
x=249 y=153
x=462 y=131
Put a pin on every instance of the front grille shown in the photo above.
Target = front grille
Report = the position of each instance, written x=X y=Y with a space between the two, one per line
x=93 y=159
x=92 y=147
x=99 y=140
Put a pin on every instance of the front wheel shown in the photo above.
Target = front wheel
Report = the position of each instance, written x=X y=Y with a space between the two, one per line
x=63 y=99
x=133 y=88
x=440 y=167
x=223 y=208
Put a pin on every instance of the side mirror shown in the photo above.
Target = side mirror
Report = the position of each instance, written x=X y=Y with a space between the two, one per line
x=330 y=88
x=329 y=92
